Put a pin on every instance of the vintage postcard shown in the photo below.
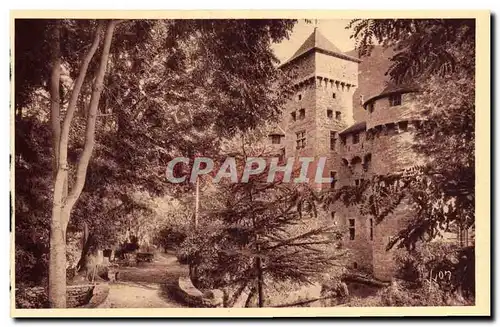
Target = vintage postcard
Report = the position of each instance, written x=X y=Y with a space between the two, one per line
x=250 y=163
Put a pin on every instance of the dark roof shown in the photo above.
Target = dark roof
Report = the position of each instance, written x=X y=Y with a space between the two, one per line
x=371 y=77
x=356 y=127
x=316 y=41
x=392 y=88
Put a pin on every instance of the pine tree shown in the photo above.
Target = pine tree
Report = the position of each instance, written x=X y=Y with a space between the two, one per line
x=263 y=232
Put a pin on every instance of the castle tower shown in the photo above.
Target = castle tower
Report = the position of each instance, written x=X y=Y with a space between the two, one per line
x=324 y=82
x=390 y=125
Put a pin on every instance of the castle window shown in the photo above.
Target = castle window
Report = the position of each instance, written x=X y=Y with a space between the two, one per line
x=371 y=229
x=282 y=155
x=333 y=140
x=403 y=126
x=371 y=107
x=334 y=95
x=275 y=139
x=395 y=100
x=301 y=139
x=338 y=115
x=299 y=97
x=333 y=179
x=352 y=229
x=294 y=116
x=368 y=161
x=355 y=138
x=332 y=214
x=343 y=139
x=390 y=129
x=329 y=113
x=302 y=113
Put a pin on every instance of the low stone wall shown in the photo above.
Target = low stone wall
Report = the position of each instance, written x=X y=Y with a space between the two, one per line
x=99 y=294
x=77 y=295
x=85 y=296
x=194 y=297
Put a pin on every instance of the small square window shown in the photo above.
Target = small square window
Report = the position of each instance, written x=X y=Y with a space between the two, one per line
x=333 y=179
x=395 y=100
x=355 y=138
x=302 y=113
x=301 y=140
x=371 y=229
x=403 y=126
x=329 y=113
x=352 y=229
x=275 y=139
x=391 y=128
x=333 y=140
x=338 y=115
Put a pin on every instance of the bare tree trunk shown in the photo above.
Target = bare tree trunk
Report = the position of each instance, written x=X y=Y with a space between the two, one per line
x=258 y=263
x=57 y=291
x=62 y=204
x=55 y=100
x=197 y=204
x=57 y=262
x=260 y=282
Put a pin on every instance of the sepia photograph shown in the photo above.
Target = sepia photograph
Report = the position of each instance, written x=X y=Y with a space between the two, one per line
x=321 y=165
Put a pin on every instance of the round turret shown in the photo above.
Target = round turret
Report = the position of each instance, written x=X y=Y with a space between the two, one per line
x=391 y=119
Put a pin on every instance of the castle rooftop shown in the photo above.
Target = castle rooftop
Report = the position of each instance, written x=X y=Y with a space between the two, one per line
x=356 y=127
x=392 y=88
x=318 y=42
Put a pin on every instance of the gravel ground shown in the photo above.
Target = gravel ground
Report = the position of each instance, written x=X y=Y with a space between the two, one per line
x=147 y=285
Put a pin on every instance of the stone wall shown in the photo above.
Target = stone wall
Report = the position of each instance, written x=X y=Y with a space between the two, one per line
x=383 y=113
x=392 y=150
x=76 y=296
x=336 y=68
x=383 y=260
x=360 y=249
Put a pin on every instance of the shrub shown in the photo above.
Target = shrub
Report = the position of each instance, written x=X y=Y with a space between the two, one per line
x=449 y=266
x=171 y=236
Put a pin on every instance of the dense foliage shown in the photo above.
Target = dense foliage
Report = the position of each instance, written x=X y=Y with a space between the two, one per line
x=173 y=87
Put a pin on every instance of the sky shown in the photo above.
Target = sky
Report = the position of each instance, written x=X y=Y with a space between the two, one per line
x=333 y=29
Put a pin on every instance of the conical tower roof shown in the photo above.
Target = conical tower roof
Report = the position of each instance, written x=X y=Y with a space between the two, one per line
x=318 y=42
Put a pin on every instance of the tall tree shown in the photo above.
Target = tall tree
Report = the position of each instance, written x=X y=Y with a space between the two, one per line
x=172 y=88
x=64 y=200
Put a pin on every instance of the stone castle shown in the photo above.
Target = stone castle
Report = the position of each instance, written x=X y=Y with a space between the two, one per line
x=362 y=128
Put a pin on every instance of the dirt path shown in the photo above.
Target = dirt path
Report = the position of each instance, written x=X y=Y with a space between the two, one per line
x=147 y=285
